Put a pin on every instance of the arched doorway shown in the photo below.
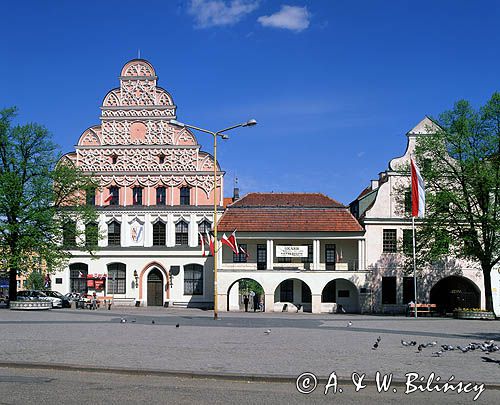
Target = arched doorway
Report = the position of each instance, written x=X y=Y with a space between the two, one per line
x=155 y=288
x=245 y=287
x=343 y=293
x=292 y=294
x=455 y=292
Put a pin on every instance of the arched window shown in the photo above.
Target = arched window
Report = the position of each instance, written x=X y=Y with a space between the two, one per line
x=69 y=233
x=116 y=278
x=114 y=233
x=78 y=277
x=181 y=233
x=185 y=194
x=91 y=234
x=204 y=226
x=193 y=279
x=159 y=234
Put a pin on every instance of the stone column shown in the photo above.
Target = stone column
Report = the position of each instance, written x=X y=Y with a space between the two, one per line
x=270 y=254
x=269 y=302
x=316 y=255
x=316 y=303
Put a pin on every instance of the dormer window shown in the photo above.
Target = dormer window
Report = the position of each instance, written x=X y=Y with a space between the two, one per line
x=114 y=159
x=161 y=158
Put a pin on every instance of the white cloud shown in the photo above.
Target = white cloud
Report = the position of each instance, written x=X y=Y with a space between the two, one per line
x=211 y=13
x=289 y=17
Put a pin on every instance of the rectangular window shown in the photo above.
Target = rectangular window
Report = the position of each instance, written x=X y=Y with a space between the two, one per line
x=159 y=234
x=407 y=241
x=193 y=279
x=137 y=196
x=185 y=196
x=181 y=233
x=309 y=258
x=90 y=196
x=69 y=234
x=286 y=291
x=389 y=244
x=114 y=234
x=389 y=290
x=161 y=196
x=240 y=257
x=91 y=234
x=408 y=202
x=261 y=257
x=58 y=280
x=116 y=278
x=330 y=257
x=114 y=195
x=408 y=290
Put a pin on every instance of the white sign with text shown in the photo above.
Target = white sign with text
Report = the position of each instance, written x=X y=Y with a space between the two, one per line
x=291 y=251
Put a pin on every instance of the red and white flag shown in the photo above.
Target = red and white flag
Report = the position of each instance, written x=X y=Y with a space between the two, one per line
x=244 y=252
x=109 y=197
x=231 y=242
x=210 y=239
x=202 y=243
x=417 y=192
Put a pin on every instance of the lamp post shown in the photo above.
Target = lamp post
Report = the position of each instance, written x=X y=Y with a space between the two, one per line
x=222 y=134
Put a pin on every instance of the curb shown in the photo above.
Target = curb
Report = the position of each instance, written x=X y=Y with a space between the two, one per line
x=269 y=378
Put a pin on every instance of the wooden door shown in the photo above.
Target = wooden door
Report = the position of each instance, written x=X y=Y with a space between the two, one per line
x=155 y=288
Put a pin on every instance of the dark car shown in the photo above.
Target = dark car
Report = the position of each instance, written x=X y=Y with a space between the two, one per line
x=56 y=294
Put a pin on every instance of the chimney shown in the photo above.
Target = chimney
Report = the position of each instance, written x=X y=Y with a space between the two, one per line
x=236 y=194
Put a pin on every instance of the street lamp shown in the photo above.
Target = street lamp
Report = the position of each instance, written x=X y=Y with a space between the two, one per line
x=220 y=133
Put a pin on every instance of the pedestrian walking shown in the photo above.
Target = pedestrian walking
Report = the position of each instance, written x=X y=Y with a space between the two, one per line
x=94 y=300
x=245 y=301
x=255 y=302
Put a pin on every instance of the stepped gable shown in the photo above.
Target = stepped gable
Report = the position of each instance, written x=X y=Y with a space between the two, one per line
x=288 y=212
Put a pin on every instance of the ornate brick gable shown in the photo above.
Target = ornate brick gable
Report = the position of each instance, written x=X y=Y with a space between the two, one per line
x=136 y=145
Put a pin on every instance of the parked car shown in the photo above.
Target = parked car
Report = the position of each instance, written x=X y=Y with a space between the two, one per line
x=32 y=295
x=66 y=303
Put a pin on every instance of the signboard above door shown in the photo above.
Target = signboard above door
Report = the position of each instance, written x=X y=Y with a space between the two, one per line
x=291 y=251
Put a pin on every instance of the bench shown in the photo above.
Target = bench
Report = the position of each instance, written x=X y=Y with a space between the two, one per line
x=428 y=309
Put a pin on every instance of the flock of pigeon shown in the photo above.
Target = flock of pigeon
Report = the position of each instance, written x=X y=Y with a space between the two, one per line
x=487 y=347
x=124 y=320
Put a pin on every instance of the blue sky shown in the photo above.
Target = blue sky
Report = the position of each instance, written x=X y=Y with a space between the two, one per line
x=334 y=85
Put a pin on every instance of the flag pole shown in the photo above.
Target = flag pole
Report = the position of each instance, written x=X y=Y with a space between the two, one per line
x=414 y=267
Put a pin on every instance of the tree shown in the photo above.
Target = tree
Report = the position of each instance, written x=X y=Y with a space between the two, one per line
x=460 y=165
x=40 y=194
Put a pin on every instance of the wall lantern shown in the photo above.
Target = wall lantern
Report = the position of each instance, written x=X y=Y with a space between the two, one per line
x=136 y=276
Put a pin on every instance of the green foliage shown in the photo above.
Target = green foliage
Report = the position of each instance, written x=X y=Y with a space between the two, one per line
x=247 y=285
x=35 y=280
x=460 y=165
x=39 y=194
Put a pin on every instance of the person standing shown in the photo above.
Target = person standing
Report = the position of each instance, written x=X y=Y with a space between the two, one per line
x=255 y=302
x=94 y=300
x=245 y=301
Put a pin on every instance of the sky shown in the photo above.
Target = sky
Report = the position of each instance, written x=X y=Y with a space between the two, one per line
x=334 y=85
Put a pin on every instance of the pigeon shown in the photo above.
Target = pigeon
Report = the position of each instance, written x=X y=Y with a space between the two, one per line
x=267 y=332
x=463 y=349
x=379 y=339
x=375 y=345
x=420 y=347
x=438 y=353
x=349 y=324
x=404 y=343
x=153 y=322
x=413 y=343
x=123 y=320
x=177 y=325
x=431 y=344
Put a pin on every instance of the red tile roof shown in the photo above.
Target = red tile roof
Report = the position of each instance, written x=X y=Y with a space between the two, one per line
x=287 y=213
x=286 y=200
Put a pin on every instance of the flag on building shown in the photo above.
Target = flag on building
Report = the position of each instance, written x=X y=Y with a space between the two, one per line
x=109 y=197
x=202 y=243
x=417 y=192
x=244 y=252
x=231 y=242
x=210 y=239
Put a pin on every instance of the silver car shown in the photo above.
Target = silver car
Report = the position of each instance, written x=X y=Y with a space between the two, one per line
x=32 y=295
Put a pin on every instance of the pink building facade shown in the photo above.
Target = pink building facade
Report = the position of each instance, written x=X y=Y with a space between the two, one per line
x=155 y=194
